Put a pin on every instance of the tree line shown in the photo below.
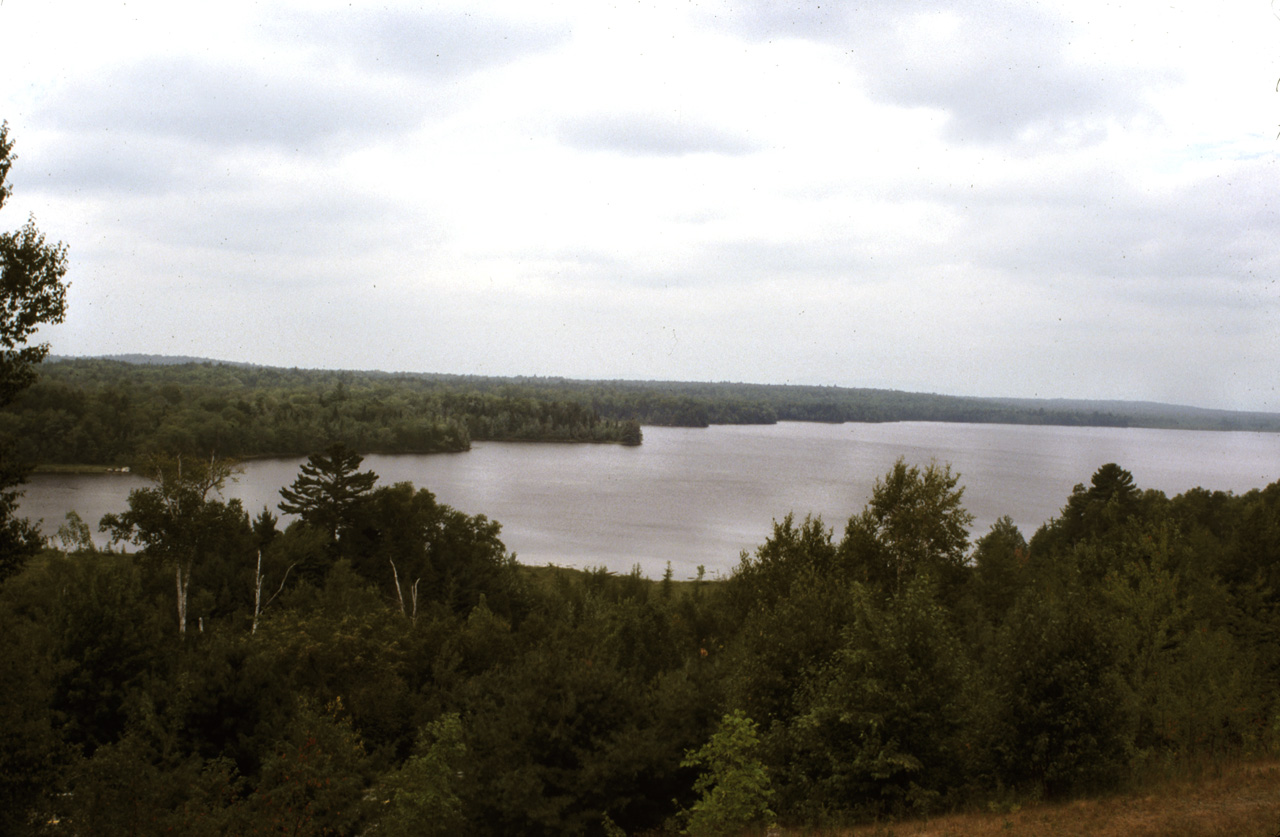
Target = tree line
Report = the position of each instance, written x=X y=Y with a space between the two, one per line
x=105 y=412
x=699 y=404
x=384 y=662
x=111 y=412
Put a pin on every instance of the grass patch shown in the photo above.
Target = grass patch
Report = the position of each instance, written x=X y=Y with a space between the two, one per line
x=1240 y=798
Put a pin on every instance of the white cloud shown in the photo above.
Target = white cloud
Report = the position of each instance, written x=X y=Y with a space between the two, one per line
x=646 y=135
x=436 y=43
x=226 y=104
x=1009 y=199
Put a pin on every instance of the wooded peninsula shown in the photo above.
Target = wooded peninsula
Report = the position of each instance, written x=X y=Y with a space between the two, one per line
x=114 y=412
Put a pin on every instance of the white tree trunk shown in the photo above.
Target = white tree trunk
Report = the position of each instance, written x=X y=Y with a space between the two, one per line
x=257 y=594
x=182 y=577
x=395 y=576
x=412 y=615
x=258 y=604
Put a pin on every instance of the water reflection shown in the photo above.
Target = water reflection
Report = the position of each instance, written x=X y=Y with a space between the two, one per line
x=700 y=496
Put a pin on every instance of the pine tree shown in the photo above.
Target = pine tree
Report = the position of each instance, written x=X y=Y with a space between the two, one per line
x=327 y=488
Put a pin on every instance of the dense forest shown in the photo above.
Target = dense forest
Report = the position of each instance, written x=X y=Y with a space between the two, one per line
x=383 y=666
x=688 y=404
x=107 y=412
x=114 y=412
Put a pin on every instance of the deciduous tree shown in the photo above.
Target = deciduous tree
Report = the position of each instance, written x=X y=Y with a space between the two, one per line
x=422 y=798
x=734 y=784
x=883 y=720
x=32 y=293
x=913 y=524
x=176 y=520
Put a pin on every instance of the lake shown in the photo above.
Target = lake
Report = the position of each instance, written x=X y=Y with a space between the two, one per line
x=701 y=496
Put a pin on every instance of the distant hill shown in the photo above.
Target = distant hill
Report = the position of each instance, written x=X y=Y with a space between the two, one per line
x=1152 y=410
x=699 y=404
x=151 y=360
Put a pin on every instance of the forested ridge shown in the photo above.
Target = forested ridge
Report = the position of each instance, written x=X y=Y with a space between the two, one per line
x=108 y=412
x=688 y=404
x=382 y=665
x=112 y=412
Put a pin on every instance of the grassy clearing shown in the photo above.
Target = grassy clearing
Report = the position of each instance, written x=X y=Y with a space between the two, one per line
x=1240 y=799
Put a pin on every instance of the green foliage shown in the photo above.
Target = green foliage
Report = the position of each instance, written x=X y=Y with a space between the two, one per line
x=31 y=750
x=343 y=641
x=1189 y=686
x=127 y=788
x=93 y=411
x=631 y=434
x=74 y=535
x=20 y=539
x=315 y=781
x=791 y=552
x=422 y=800
x=914 y=524
x=466 y=694
x=328 y=488
x=1096 y=516
x=32 y=293
x=179 y=526
x=419 y=552
x=788 y=604
x=1000 y=570
x=565 y=731
x=100 y=634
x=1059 y=721
x=884 y=721
x=734 y=785
x=32 y=289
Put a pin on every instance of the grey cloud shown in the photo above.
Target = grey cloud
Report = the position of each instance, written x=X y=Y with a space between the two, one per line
x=1003 y=70
x=724 y=265
x=650 y=136
x=1223 y=227
x=431 y=43
x=200 y=208
x=1208 y=243
x=119 y=162
x=304 y=222
x=229 y=105
x=751 y=260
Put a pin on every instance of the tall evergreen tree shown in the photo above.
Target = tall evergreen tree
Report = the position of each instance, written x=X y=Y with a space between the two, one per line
x=327 y=488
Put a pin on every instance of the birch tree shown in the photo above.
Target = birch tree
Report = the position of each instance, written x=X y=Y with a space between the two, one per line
x=180 y=520
x=914 y=524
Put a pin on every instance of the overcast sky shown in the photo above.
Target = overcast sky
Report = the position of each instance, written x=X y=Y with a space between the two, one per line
x=987 y=198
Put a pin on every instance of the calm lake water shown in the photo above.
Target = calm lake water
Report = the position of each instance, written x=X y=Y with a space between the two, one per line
x=700 y=496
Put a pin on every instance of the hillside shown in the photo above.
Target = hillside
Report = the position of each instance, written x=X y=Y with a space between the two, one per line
x=699 y=404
